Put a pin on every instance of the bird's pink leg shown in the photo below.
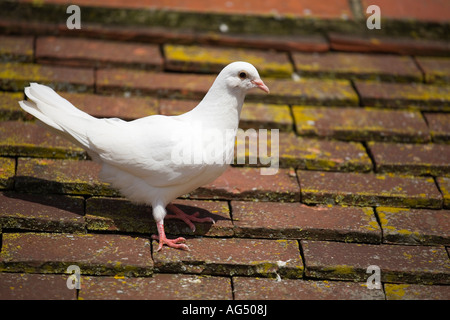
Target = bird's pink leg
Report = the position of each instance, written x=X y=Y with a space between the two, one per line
x=179 y=214
x=177 y=243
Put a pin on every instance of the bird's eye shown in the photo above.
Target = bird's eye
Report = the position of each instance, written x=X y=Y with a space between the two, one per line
x=242 y=75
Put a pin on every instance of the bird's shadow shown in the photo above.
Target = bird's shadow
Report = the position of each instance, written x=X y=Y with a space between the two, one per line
x=39 y=202
x=104 y=214
x=122 y=215
x=201 y=228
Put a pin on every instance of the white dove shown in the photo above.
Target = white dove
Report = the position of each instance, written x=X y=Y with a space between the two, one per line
x=139 y=158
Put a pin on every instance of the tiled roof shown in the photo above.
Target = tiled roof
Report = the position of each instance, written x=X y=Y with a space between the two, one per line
x=364 y=153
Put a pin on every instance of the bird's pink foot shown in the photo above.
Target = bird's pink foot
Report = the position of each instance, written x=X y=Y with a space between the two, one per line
x=188 y=219
x=177 y=243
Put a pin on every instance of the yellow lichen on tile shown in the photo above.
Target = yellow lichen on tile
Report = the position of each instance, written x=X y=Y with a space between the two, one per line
x=210 y=57
x=395 y=291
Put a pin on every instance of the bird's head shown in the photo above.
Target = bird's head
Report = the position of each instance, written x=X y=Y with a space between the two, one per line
x=244 y=76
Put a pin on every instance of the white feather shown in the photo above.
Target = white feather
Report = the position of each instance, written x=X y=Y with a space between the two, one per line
x=137 y=156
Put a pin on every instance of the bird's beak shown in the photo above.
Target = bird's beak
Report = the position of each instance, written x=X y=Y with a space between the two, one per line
x=260 y=84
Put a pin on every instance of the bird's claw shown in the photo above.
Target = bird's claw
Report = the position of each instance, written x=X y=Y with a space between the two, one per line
x=188 y=219
x=177 y=243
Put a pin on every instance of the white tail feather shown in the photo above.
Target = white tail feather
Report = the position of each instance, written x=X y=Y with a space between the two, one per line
x=58 y=113
x=30 y=107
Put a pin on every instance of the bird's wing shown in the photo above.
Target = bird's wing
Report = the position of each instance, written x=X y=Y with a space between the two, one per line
x=142 y=147
x=146 y=148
